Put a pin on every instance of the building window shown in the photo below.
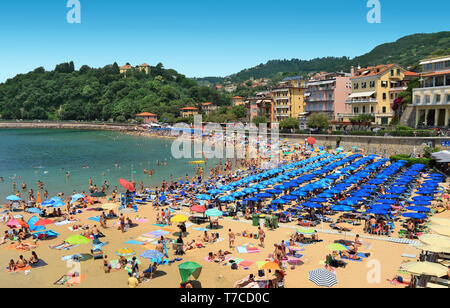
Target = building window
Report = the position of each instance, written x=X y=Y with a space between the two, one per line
x=356 y=86
x=383 y=110
x=428 y=67
x=364 y=85
x=371 y=109
x=439 y=65
x=372 y=84
x=448 y=98
x=384 y=96
x=384 y=84
x=439 y=81
x=355 y=110
x=417 y=99
x=447 y=80
x=438 y=98
x=398 y=71
x=392 y=72
x=447 y=63
x=427 y=99
x=364 y=109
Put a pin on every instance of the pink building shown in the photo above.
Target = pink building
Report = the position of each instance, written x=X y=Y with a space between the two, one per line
x=327 y=93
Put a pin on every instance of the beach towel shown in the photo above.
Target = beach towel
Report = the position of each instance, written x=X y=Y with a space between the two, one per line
x=246 y=263
x=230 y=262
x=405 y=255
x=69 y=280
x=23 y=269
x=141 y=220
x=252 y=249
x=344 y=257
x=294 y=260
x=64 y=222
x=133 y=242
x=160 y=225
x=241 y=249
x=226 y=259
x=95 y=218
x=201 y=229
x=40 y=263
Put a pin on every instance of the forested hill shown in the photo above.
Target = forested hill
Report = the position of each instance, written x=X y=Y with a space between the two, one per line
x=407 y=51
x=101 y=94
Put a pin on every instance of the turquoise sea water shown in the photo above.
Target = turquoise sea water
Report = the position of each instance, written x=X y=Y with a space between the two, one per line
x=47 y=154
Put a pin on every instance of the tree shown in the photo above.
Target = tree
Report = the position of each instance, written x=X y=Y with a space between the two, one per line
x=289 y=123
x=318 y=121
x=240 y=112
x=259 y=120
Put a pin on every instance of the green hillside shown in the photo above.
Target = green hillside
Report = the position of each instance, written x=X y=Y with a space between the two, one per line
x=407 y=51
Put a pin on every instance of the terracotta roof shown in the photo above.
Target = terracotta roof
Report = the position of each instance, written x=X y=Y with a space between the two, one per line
x=408 y=73
x=144 y=64
x=146 y=114
x=207 y=104
x=126 y=67
x=436 y=73
x=189 y=108
x=373 y=70
x=237 y=97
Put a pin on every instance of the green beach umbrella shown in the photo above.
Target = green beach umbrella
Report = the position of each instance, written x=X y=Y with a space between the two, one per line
x=337 y=247
x=77 y=240
x=189 y=268
x=213 y=213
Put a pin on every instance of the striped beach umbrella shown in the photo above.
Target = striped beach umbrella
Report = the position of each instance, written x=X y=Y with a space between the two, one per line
x=322 y=277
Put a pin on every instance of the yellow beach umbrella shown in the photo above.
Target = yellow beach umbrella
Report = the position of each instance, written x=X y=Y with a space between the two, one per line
x=125 y=252
x=197 y=162
x=440 y=221
x=336 y=247
x=435 y=239
x=443 y=230
x=179 y=218
x=433 y=248
x=268 y=265
x=424 y=268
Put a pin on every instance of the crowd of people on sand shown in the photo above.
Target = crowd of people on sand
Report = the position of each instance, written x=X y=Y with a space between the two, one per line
x=188 y=187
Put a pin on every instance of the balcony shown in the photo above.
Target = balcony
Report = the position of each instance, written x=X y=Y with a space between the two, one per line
x=361 y=100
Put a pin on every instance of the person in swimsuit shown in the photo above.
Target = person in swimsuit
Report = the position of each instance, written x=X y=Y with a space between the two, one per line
x=261 y=236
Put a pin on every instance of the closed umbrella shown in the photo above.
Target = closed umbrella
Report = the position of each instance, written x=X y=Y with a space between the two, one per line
x=322 y=277
x=188 y=269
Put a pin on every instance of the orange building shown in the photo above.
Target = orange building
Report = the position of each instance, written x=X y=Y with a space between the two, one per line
x=187 y=112
x=148 y=117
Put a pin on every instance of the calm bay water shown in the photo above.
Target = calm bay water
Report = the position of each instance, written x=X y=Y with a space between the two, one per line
x=47 y=154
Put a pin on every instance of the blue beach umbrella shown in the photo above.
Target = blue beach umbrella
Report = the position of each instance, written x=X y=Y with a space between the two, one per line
x=259 y=186
x=422 y=198
x=264 y=195
x=274 y=191
x=289 y=197
x=213 y=213
x=225 y=188
x=77 y=197
x=418 y=209
x=215 y=192
x=34 y=210
x=341 y=208
x=13 y=198
x=377 y=211
x=203 y=197
x=311 y=205
x=226 y=199
x=253 y=199
x=422 y=203
x=318 y=200
x=387 y=201
x=279 y=201
x=414 y=215
x=237 y=194
x=58 y=204
x=249 y=190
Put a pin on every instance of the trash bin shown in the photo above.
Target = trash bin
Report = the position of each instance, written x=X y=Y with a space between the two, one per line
x=275 y=222
x=267 y=221
x=262 y=220
x=255 y=219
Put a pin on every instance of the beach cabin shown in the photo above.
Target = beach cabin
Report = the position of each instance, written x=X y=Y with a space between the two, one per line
x=148 y=117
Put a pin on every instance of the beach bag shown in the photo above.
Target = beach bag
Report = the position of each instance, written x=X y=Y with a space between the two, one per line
x=234 y=266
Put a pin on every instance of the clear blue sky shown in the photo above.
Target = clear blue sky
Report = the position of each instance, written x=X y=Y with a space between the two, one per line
x=202 y=37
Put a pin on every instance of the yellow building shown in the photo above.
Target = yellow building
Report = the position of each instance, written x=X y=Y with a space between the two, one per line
x=374 y=90
x=289 y=99
x=188 y=112
x=143 y=67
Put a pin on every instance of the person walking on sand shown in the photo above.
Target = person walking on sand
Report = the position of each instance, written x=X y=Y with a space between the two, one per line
x=122 y=223
x=231 y=238
x=261 y=235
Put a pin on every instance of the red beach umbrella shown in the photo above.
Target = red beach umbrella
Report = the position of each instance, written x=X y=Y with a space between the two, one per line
x=44 y=222
x=311 y=140
x=127 y=185
x=198 y=209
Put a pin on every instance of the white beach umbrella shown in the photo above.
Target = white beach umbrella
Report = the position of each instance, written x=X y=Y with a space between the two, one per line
x=322 y=277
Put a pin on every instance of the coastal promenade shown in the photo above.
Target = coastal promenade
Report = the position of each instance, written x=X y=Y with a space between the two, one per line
x=380 y=145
